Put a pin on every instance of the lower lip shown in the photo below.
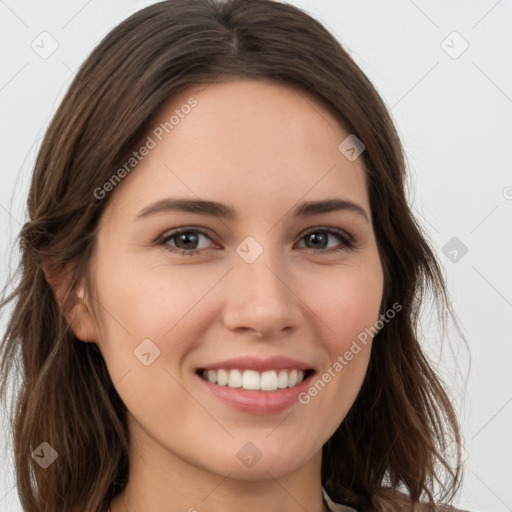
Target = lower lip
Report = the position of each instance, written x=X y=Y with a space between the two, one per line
x=257 y=402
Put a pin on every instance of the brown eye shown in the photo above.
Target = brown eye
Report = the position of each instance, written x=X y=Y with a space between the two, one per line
x=184 y=241
x=318 y=239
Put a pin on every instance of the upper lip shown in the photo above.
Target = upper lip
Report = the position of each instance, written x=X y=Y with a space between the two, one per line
x=258 y=364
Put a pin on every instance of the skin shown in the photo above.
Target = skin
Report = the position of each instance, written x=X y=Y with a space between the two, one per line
x=261 y=148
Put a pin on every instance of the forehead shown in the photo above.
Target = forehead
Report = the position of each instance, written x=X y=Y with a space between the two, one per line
x=253 y=141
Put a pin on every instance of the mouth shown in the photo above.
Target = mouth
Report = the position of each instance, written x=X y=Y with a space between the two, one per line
x=252 y=380
x=255 y=385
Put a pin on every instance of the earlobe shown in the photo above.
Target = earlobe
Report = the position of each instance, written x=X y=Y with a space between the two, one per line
x=75 y=307
x=80 y=317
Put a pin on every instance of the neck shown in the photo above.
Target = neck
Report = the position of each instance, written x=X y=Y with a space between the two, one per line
x=160 y=480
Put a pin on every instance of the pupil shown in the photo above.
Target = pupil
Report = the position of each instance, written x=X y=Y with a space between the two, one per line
x=315 y=237
x=187 y=238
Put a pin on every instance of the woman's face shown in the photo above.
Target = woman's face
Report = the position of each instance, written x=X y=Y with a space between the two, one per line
x=251 y=295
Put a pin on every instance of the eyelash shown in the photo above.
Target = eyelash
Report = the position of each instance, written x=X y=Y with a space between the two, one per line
x=346 y=240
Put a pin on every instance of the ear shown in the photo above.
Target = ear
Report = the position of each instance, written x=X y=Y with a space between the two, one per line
x=75 y=309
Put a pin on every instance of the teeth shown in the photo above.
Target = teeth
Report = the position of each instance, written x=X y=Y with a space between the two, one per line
x=235 y=379
x=292 y=378
x=222 y=377
x=282 y=380
x=268 y=381
x=252 y=380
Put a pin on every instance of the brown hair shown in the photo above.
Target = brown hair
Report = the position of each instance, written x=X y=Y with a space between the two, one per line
x=396 y=433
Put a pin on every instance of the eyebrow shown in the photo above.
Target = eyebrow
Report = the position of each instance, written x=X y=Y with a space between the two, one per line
x=214 y=208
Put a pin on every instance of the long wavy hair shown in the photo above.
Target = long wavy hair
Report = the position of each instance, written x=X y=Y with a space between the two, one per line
x=391 y=450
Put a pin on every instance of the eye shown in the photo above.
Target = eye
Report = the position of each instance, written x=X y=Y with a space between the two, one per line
x=186 y=241
x=319 y=237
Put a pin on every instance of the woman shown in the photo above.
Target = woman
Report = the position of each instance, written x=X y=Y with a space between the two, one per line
x=274 y=363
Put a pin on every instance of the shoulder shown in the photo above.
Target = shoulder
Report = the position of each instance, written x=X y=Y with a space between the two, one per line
x=335 y=507
x=403 y=504
x=395 y=501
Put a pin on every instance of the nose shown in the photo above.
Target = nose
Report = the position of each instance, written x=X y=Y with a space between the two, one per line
x=260 y=299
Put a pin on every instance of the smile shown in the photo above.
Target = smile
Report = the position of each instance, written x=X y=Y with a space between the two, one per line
x=270 y=380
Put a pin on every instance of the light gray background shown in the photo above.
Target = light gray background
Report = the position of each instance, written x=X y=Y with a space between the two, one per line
x=453 y=111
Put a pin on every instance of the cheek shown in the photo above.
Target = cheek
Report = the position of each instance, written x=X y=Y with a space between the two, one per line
x=348 y=305
x=164 y=304
x=138 y=304
x=148 y=299
x=348 y=308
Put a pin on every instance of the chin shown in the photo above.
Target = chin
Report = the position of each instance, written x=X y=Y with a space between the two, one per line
x=259 y=461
